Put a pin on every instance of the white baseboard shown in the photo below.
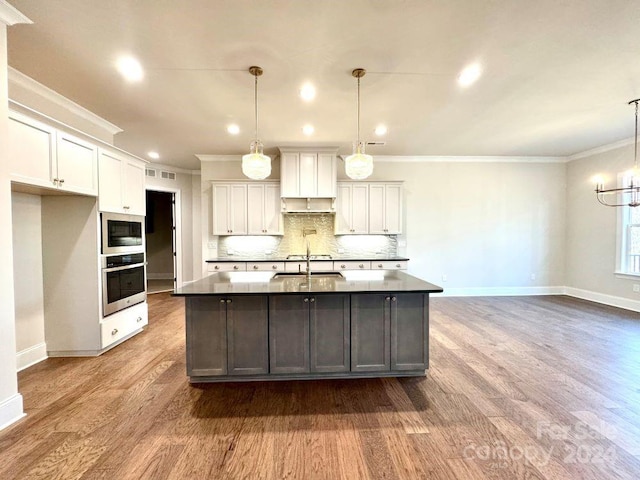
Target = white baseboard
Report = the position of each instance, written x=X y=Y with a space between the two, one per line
x=159 y=276
x=620 y=302
x=499 y=291
x=30 y=356
x=11 y=410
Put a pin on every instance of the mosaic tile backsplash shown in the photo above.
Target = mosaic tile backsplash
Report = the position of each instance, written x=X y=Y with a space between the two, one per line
x=323 y=242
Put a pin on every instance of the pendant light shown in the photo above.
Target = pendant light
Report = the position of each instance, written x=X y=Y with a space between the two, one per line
x=628 y=195
x=359 y=165
x=256 y=165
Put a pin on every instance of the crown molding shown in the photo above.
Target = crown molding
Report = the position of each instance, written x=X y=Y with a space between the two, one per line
x=463 y=159
x=10 y=15
x=602 y=149
x=218 y=158
x=32 y=85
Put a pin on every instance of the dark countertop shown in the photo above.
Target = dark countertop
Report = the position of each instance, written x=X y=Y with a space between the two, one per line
x=284 y=259
x=251 y=283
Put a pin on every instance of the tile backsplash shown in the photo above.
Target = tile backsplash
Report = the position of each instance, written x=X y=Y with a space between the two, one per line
x=323 y=242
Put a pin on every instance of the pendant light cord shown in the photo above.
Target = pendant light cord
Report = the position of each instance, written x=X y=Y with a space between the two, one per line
x=358 y=109
x=255 y=99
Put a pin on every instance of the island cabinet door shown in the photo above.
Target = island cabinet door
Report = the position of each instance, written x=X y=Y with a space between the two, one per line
x=206 y=336
x=370 y=332
x=409 y=331
x=247 y=335
x=329 y=324
x=289 y=333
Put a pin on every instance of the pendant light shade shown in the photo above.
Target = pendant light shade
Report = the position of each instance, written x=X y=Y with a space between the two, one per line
x=359 y=165
x=256 y=165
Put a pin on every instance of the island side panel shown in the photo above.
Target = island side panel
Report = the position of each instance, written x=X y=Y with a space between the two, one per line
x=248 y=335
x=330 y=333
x=370 y=332
x=410 y=331
x=206 y=332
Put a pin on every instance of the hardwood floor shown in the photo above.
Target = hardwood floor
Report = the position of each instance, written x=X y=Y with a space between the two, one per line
x=518 y=387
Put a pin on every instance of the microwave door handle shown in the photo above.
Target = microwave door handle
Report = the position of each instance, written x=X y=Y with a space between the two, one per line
x=124 y=267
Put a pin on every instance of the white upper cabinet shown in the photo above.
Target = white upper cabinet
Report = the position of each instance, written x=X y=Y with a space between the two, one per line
x=263 y=209
x=121 y=181
x=229 y=208
x=369 y=207
x=352 y=209
x=309 y=173
x=385 y=208
x=43 y=156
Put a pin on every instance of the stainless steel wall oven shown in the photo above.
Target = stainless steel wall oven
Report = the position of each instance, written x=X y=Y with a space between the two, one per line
x=123 y=281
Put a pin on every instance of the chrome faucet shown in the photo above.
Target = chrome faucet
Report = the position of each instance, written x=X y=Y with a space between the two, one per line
x=308 y=261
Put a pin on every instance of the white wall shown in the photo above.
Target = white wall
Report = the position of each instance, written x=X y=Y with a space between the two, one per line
x=29 y=293
x=486 y=226
x=591 y=227
x=11 y=408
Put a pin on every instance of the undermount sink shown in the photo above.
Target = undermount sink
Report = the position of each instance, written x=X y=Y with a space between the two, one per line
x=303 y=275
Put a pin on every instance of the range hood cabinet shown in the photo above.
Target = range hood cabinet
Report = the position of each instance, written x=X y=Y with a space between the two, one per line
x=308 y=205
x=309 y=173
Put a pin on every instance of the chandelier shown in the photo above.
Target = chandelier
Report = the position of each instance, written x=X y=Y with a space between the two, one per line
x=359 y=165
x=628 y=195
x=256 y=165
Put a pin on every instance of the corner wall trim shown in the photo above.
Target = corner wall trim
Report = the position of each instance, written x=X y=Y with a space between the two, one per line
x=11 y=410
x=611 y=300
x=30 y=356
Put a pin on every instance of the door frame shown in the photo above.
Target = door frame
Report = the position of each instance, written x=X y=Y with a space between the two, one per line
x=178 y=222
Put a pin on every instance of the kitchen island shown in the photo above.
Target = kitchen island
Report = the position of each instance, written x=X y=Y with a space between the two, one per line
x=263 y=326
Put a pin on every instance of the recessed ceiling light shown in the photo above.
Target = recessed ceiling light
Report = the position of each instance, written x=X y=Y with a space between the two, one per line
x=130 y=69
x=380 y=130
x=469 y=75
x=308 y=130
x=154 y=155
x=233 y=129
x=308 y=92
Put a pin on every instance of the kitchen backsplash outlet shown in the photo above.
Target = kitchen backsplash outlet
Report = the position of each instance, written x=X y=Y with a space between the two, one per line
x=323 y=242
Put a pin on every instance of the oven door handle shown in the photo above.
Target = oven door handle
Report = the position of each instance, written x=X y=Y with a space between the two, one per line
x=124 y=267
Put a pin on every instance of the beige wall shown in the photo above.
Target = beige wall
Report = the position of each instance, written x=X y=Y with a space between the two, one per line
x=591 y=227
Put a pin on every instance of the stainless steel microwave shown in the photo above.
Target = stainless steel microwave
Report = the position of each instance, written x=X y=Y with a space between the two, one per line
x=122 y=233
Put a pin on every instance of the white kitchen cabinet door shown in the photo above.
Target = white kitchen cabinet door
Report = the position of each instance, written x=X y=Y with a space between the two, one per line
x=110 y=167
x=134 y=194
x=327 y=175
x=290 y=174
x=308 y=175
x=121 y=183
x=352 y=210
x=256 y=209
x=77 y=166
x=272 y=209
x=385 y=208
x=229 y=209
x=32 y=151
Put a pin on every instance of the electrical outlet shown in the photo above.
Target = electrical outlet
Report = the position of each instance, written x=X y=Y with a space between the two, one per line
x=268 y=252
x=341 y=250
x=636 y=287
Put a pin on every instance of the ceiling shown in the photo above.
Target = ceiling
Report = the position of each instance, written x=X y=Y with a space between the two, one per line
x=557 y=75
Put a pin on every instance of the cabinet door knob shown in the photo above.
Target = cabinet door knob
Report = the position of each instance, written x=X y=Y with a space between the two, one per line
x=387 y=299
x=55 y=181
x=61 y=181
x=275 y=267
x=379 y=265
x=255 y=267
x=397 y=265
x=114 y=331
x=139 y=319
x=312 y=300
x=228 y=300
x=393 y=299
x=306 y=300
x=361 y=265
x=222 y=301
x=235 y=267
x=343 y=266
x=217 y=267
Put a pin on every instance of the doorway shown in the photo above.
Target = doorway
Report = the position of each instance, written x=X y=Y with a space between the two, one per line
x=161 y=241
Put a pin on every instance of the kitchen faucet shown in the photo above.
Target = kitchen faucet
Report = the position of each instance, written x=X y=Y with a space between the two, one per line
x=305 y=232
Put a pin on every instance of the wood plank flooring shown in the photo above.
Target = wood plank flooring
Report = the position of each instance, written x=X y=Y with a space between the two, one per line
x=518 y=388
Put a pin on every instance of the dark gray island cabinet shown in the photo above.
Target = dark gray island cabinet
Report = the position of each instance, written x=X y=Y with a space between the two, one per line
x=295 y=329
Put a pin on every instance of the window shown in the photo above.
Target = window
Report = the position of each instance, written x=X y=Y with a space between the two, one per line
x=629 y=239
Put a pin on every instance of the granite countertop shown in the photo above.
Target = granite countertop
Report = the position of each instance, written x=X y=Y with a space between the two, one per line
x=284 y=259
x=251 y=283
